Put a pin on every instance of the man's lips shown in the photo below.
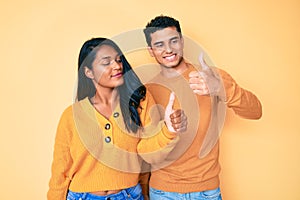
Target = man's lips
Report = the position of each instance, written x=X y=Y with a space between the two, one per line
x=170 y=57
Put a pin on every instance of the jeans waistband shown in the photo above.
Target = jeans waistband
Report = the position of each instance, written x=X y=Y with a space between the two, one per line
x=122 y=195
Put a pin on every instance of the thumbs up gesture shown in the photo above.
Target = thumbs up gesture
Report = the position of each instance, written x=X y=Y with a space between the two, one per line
x=175 y=120
x=204 y=82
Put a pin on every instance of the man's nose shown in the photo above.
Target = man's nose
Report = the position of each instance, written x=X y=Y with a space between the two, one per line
x=168 y=48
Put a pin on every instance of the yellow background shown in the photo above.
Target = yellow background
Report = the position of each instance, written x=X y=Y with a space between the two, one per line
x=257 y=42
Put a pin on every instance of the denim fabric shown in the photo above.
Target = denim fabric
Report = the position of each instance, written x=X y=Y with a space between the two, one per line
x=205 y=195
x=133 y=193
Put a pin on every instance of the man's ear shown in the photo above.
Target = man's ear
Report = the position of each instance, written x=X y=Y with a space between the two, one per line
x=182 y=40
x=88 y=72
x=150 y=50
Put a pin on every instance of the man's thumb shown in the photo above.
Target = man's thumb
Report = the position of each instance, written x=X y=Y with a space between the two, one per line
x=169 y=111
x=169 y=107
x=202 y=62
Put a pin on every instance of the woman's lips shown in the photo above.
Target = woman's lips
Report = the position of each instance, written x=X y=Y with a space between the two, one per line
x=117 y=75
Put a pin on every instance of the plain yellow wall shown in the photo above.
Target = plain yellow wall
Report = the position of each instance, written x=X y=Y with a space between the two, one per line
x=257 y=42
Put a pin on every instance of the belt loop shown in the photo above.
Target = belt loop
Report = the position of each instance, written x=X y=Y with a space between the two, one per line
x=84 y=195
x=126 y=193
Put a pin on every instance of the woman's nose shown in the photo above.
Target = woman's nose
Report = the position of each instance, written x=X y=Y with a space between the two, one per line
x=116 y=65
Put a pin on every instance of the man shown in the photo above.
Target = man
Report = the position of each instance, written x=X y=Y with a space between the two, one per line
x=192 y=170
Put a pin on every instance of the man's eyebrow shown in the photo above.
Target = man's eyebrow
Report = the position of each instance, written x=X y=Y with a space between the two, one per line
x=161 y=42
x=175 y=37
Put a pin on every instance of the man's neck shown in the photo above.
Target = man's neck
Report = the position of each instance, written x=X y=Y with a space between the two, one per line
x=170 y=72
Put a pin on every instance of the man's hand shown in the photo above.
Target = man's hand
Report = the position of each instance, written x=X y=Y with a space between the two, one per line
x=204 y=82
x=175 y=120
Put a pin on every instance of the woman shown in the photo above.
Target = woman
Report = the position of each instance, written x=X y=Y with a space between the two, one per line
x=101 y=137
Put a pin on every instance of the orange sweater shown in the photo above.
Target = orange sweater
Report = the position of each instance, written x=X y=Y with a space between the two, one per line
x=92 y=153
x=188 y=170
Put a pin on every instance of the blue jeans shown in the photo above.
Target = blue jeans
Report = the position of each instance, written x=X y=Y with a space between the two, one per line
x=133 y=193
x=205 y=195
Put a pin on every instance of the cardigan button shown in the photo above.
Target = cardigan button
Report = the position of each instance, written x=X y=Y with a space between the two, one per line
x=107 y=126
x=116 y=114
x=107 y=139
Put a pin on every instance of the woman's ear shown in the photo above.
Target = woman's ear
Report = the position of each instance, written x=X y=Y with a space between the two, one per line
x=88 y=72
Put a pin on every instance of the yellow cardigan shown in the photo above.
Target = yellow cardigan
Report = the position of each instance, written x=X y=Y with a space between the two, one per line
x=92 y=153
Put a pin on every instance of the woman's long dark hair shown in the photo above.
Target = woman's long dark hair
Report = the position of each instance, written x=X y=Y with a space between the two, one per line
x=131 y=92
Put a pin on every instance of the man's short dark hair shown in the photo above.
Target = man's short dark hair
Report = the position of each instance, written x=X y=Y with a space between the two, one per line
x=158 y=23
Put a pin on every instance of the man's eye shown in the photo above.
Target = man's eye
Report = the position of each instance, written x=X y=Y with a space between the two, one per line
x=174 y=41
x=158 y=45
